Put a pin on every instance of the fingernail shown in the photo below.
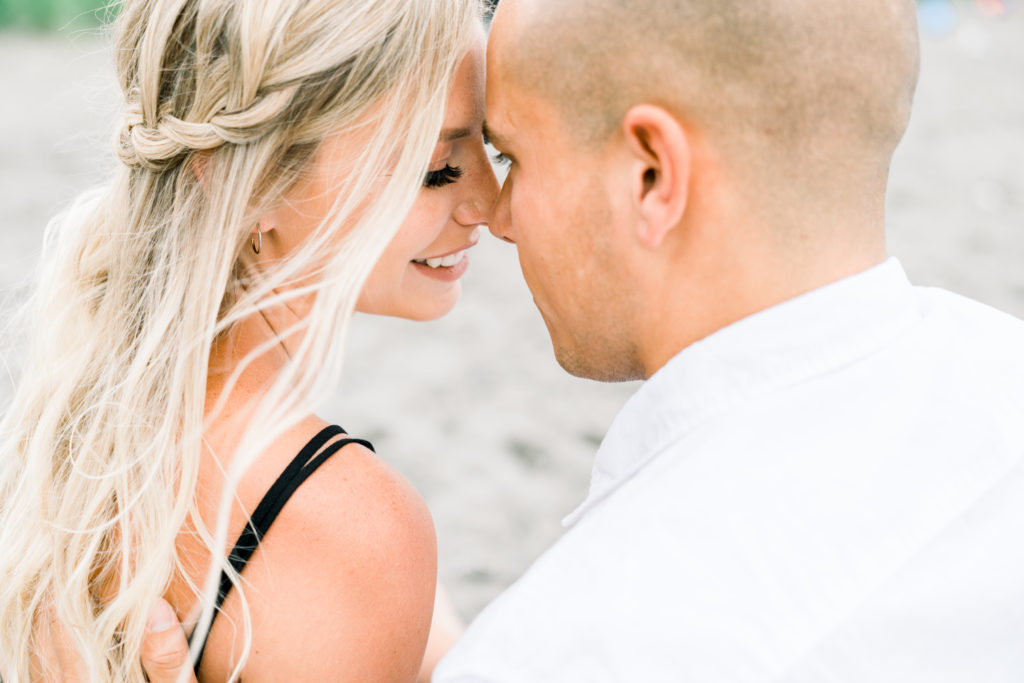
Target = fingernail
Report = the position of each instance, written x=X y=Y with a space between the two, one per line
x=161 y=618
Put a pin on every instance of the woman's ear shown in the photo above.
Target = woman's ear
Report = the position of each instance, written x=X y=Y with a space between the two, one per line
x=200 y=169
x=660 y=173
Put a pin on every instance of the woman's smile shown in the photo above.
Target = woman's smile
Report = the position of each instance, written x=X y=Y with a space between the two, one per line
x=449 y=266
x=449 y=262
x=445 y=273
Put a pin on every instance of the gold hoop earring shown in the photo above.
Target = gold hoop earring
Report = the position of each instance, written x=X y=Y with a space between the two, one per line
x=257 y=246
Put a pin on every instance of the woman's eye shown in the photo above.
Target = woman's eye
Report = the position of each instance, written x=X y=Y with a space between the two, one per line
x=500 y=159
x=442 y=177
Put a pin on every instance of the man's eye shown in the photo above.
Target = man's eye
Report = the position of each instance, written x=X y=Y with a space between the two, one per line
x=442 y=177
x=500 y=159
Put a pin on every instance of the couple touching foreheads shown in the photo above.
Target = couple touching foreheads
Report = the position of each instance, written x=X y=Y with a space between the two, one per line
x=820 y=479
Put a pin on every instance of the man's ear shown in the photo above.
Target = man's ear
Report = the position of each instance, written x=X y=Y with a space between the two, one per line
x=660 y=172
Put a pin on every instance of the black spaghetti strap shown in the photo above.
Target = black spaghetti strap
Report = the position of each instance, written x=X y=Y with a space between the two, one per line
x=300 y=468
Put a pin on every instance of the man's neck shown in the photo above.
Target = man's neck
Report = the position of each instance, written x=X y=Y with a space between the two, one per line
x=695 y=305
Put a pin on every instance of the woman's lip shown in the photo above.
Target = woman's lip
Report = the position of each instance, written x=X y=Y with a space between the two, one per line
x=470 y=245
x=449 y=253
x=449 y=274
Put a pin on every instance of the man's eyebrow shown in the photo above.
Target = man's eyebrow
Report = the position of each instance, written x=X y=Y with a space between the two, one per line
x=493 y=138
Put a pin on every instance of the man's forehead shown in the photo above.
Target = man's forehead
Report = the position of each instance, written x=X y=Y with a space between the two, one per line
x=515 y=105
x=499 y=125
x=502 y=50
x=505 y=115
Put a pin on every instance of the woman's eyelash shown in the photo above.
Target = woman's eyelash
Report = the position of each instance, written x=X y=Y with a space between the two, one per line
x=442 y=177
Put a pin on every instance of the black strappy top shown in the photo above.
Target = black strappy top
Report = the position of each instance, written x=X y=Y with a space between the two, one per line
x=304 y=464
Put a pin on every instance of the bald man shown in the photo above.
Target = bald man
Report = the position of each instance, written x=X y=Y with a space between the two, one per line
x=821 y=478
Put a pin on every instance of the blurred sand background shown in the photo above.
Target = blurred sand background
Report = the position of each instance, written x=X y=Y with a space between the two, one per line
x=473 y=409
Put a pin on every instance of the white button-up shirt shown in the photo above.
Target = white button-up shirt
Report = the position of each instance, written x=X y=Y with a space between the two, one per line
x=829 y=490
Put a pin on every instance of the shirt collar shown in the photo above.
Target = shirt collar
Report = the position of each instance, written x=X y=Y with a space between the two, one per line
x=804 y=337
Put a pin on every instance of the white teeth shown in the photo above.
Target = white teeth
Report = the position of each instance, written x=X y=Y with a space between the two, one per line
x=443 y=261
x=449 y=261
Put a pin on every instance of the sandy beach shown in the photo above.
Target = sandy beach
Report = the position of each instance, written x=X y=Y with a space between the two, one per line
x=473 y=409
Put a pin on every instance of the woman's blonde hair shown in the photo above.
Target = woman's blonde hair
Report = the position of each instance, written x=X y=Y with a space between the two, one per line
x=227 y=103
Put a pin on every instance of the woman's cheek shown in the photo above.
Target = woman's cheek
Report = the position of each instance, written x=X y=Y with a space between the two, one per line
x=373 y=298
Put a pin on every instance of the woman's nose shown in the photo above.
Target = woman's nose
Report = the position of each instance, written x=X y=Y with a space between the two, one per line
x=481 y=194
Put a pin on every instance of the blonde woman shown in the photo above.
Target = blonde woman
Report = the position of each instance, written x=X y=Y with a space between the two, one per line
x=284 y=164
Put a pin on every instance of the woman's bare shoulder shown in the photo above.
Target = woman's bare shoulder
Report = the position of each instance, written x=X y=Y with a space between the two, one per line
x=342 y=586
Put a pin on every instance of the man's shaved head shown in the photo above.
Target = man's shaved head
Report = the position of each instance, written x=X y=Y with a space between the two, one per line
x=813 y=81
x=678 y=165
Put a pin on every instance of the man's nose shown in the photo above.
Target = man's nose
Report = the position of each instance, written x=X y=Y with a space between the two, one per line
x=500 y=223
x=497 y=228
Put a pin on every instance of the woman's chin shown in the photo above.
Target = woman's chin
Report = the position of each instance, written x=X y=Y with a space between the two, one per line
x=433 y=312
x=432 y=308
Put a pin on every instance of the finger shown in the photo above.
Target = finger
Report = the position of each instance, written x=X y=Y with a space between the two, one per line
x=165 y=649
